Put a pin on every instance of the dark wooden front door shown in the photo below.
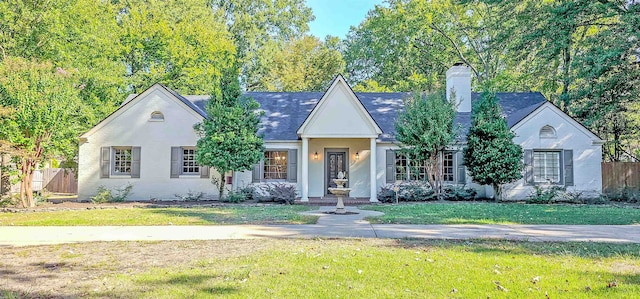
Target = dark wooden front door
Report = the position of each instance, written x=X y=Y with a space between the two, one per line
x=336 y=162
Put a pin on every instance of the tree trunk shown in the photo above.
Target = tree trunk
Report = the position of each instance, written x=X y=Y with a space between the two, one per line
x=497 y=190
x=221 y=185
x=29 y=183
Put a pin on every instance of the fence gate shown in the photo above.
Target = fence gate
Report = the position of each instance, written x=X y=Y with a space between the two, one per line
x=619 y=175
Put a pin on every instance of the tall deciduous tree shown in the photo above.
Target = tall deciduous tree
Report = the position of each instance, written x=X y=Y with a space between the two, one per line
x=181 y=43
x=261 y=23
x=305 y=64
x=424 y=129
x=491 y=156
x=45 y=115
x=229 y=139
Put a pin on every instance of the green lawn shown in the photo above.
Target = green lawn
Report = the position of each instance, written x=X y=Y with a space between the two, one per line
x=503 y=213
x=397 y=269
x=275 y=214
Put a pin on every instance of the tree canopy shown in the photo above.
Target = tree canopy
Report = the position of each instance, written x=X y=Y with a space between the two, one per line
x=491 y=156
x=229 y=139
x=424 y=128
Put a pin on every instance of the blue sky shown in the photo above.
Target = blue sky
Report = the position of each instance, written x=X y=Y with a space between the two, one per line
x=334 y=17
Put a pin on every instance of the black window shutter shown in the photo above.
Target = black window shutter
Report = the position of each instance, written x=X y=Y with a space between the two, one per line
x=176 y=156
x=105 y=162
x=568 y=167
x=462 y=174
x=528 y=167
x=292 y=163
x=256 y=173
x=391 y=166
x=135 y=162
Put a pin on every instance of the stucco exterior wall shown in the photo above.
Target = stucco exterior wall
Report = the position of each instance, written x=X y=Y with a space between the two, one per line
x=131 y=127
x=587 y=151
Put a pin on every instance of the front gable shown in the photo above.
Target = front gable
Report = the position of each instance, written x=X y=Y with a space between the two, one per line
x=548 y=115
x=339 y=114
x=137 y=111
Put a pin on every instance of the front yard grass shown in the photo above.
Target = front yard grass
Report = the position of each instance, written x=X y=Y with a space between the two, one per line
x=267 y=214
x=503 y=213
x=369 y=268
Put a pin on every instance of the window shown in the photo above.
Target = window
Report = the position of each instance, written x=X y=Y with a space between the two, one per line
x=546 y=167
x=447 y=167
x=275 y=165
x=547 y=132
x=400 y=168
x=408 y=170
x=122 y=157
x=120 y=161
x=156 y=116
x=189 y=164
x=183 y=162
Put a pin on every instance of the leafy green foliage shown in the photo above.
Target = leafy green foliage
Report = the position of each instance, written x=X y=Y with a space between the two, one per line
x=42 y=115
x=229 y=139
x=491 y=156
x=234 y=197
x=260 y=27
x=407 y=191
x=105 y=195
x=304 y=64
x=424 y=129
x=544 y=195
x=183 y=44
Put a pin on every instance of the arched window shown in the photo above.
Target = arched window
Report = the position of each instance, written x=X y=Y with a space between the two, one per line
x=547 y=132
x=156 y=116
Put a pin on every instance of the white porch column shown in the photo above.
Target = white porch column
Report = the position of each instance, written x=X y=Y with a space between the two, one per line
x=373 y=171
x=305 y=169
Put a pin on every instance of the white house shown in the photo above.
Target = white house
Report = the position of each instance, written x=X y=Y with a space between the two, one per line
x=309 y=136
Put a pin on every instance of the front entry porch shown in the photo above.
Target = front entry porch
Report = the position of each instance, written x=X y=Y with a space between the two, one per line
x=323 y=158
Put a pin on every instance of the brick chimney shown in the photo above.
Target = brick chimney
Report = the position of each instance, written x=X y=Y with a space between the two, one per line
x=459 y=82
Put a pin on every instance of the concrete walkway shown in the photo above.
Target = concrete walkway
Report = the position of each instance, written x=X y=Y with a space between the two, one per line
x=328 y=226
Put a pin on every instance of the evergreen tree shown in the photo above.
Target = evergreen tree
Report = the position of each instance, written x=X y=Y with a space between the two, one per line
x=491 y=156
x=229 y=139
x=424 y=129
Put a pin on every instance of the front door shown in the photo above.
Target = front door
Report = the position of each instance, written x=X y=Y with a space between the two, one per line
x=336 y=162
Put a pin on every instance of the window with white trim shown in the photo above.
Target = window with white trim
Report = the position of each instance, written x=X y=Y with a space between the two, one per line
x=546 y=167
x=189 y=164
x=447 y=167
x=122 y=157
x=409 y=170
x=275 y=165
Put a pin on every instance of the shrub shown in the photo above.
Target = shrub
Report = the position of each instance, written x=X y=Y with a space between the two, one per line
x=625 y=194
x=457 y=193
x=234 y=197
x=249 y=191
x=104 y=194
x=407 y=191
x=190 y=196
x=8 y=201
x=275 y=192
x=283 y=193
x=545 y=195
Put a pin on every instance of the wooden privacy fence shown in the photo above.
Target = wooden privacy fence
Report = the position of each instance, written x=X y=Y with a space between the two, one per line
x=57 y=180
x=619 y=175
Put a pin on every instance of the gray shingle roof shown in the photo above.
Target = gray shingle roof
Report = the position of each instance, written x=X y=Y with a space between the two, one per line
x=284 y=112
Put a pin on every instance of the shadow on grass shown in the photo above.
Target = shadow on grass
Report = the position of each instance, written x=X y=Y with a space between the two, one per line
x=205 y=284
x=238 y=215
x=508 y=247
x=14 y=294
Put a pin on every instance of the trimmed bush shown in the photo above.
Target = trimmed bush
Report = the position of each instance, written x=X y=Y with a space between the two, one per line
x=104 y=194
